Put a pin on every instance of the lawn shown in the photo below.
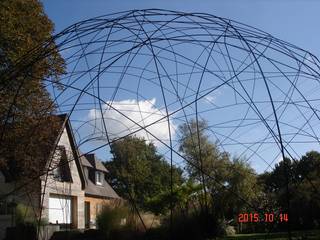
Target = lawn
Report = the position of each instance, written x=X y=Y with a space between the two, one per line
x=276 y=236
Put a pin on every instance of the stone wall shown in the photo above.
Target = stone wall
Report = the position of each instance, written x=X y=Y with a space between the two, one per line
x=74 y=189
x=94 y=209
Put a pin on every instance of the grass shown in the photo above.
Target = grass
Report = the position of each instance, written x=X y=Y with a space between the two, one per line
x=310 y=235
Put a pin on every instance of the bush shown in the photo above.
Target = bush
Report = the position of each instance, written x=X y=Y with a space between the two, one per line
x=26 y=224
x=110 y=218
x=24 y=214
x=230 y=231
x=195 y=225
x=67 y=235
x=223 y=229
x=158 y=233
x=126 y=233
x=93 y=234
x=27 y=231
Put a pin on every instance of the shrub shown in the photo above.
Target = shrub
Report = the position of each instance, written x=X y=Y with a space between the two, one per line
x=126 y=233
x=223 y=229
x=24 y=214
x=67 y=235
x=230 y=231
x=27 y=231
x=26 y=224
x=110 y=218
x=93 y=234
x=134 y=222
x=195 y=225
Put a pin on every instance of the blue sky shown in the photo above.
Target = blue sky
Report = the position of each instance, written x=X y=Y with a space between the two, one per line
x=296 y=21
x=292 y=21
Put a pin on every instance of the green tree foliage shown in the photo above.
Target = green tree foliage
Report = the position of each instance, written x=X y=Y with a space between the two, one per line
x=308 y=167
x=303 y=184
x=241 y=189
x=305 y=192
x=25 y=29
x=205 y=163
x=231 y=185
x=182 y=198
x=26 y=59
x=197 y=149
x=138 y=172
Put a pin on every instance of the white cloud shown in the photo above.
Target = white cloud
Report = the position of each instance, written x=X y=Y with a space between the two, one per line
x=210 y=99
x=128 y=116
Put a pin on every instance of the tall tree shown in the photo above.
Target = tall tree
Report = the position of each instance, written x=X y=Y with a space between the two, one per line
x=205 y=162
x=306 y=190
x=183 y=198
x=241 y=189
x=231 y=185
x=27 y=57
x=304 y=184
x=138 y=172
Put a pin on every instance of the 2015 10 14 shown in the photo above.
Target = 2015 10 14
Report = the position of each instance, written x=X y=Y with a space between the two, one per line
x=266 y=217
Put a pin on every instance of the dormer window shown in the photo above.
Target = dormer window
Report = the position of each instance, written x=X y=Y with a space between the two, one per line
x=98 y=178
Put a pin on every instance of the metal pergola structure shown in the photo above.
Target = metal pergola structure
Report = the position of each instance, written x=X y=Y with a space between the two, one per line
x=144 y=72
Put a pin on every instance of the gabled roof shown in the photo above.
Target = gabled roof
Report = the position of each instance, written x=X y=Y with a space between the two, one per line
x=94 y=164
x=105 y=191
x=84 y=161
x=63 y=122
x=66 y=124
x=90 y=160
x=87 y=160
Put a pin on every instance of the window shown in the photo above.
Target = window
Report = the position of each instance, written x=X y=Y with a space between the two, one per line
x=61 y=170
x=60 y=209
x=56 y=173
x=98 y=208
x=98 y=178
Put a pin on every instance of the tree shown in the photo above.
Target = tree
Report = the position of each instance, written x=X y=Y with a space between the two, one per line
x=182 y=198
x=303 y=183
x=27 y=57
x=205 y=163
x=138 y=172
x=241 y=190
x=231 y=185
x=306 y=193
x=308 y=168
x=199 y=152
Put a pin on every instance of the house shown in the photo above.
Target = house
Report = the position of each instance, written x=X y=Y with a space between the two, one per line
x=73 y=191
x=97 y=191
